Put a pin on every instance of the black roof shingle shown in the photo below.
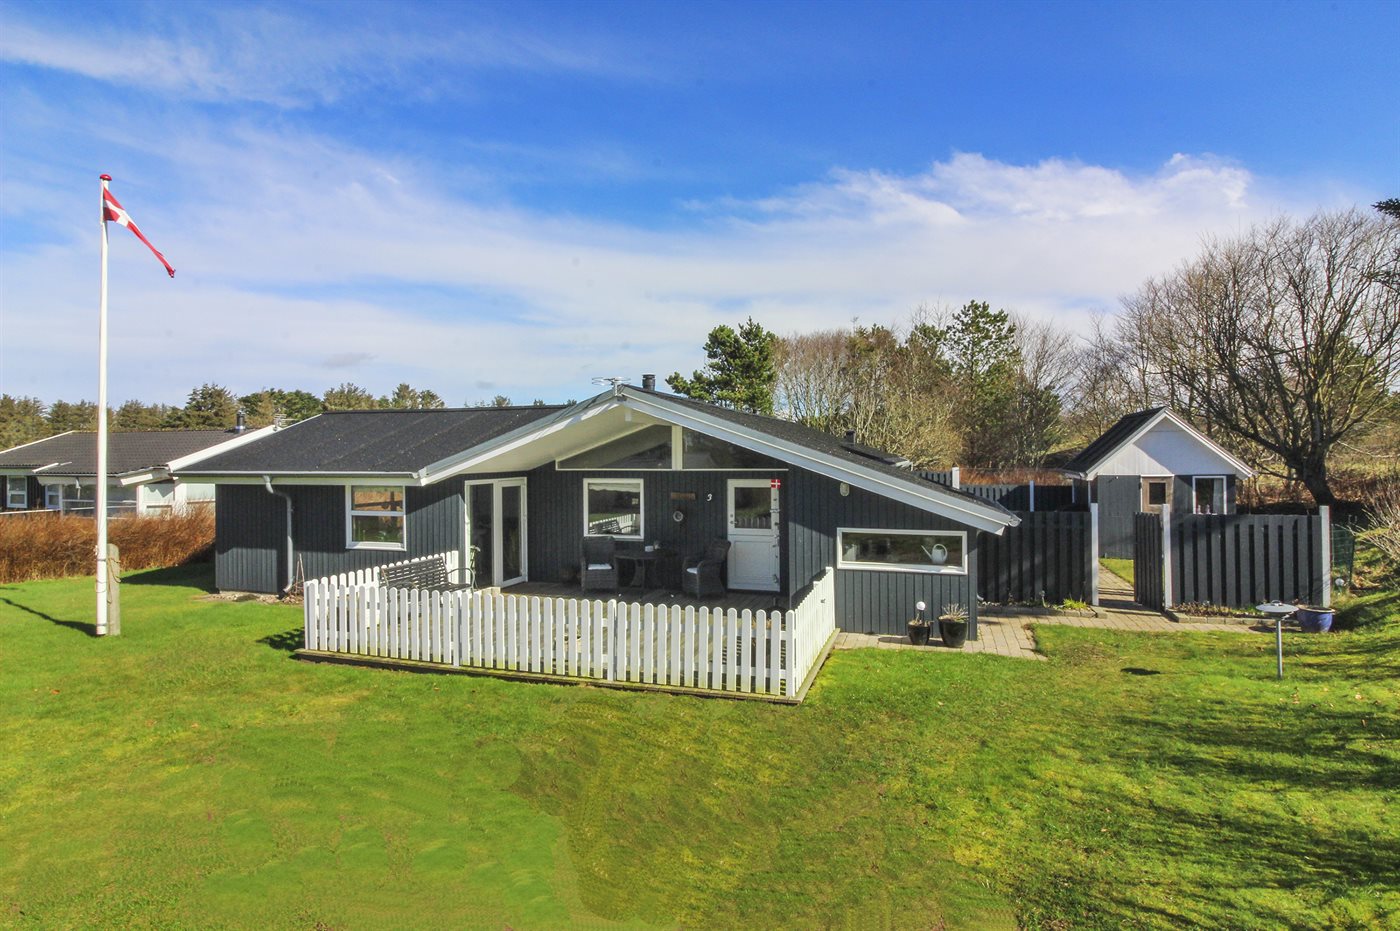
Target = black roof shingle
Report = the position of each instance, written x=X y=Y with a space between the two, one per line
x=388 y=442
x=76 y=453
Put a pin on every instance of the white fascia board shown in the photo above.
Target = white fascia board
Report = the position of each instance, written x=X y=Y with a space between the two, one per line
x=1242 y=470
x=142 y=477
x=522 y=436
x=240 y=439
x=867 y=479
x=37 y=442
x=302 y=478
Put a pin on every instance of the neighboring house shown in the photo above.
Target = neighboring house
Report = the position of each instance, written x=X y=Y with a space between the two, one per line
x=513 y=491
x=1149 y=460
x=59 y=473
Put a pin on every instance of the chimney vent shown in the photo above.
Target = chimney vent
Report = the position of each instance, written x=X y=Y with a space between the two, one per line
x=850 y=436
x=240 y=422
x=649 y=382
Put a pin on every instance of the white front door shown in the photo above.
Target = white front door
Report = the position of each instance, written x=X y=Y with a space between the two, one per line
x=753 y=534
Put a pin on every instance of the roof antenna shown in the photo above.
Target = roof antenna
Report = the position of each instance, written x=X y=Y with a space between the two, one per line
x=616 y=381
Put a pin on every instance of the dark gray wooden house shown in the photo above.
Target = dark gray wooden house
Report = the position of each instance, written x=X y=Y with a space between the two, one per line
x=1150 y=460
x=512 y=492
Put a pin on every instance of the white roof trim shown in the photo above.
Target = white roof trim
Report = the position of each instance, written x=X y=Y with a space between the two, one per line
x=33 y=442
x=247 y=436
x=521 y=436
x=970 y=512
x=1166 y=413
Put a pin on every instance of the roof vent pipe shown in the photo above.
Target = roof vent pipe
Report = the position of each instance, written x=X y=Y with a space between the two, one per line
x=648 y=382
x=240 y=422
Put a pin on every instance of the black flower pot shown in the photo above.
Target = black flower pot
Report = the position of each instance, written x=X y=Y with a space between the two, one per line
x=954 y=633
x=918 y=634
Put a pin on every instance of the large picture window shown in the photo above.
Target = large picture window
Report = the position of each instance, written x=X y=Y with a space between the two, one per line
x=647 y=448
x=613 y=507
x=902 y=550
x=375 y=517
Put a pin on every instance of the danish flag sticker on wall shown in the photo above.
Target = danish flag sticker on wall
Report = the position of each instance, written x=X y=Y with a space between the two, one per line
x=775 y=483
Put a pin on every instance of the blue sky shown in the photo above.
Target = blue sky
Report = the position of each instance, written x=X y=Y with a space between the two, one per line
x=516 y=197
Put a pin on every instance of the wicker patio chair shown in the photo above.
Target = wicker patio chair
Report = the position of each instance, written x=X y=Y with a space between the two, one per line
x=598 y=569
x=704 y=574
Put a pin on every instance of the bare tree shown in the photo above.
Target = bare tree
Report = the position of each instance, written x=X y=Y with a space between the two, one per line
x=812 y=386
x=1287 y=337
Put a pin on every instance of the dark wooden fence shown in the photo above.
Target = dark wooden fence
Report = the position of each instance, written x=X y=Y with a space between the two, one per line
x=1147 y=561
x=1237 y=560
x=1246 y=559
x=1014 y=497
x=1048 y=557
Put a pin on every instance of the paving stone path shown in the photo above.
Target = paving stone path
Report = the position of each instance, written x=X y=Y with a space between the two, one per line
x=1007 y=633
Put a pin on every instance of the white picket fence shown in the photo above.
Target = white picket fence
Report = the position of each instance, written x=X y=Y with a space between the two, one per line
x=763 y=652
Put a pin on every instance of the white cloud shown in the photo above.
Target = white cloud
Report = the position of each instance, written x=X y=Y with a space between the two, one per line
x=296 y=252
x=268 y=55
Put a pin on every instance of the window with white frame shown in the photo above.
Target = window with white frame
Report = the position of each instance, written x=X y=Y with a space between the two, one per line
x=17 y=492
x=613 y=507
x=53 y=497
x=375 y=517
x=902 y=550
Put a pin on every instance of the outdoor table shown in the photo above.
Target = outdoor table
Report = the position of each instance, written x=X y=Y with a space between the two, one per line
x=643 y=560
x=1279 y=611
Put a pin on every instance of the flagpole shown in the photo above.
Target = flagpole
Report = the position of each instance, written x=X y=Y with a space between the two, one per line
x=101 y=503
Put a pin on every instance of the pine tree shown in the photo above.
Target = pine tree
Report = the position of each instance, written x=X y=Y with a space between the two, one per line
x=741 y=373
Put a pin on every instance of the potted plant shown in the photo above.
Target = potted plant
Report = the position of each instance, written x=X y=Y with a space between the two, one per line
x=918 y=627
x=952 y=626
x=1315 y=619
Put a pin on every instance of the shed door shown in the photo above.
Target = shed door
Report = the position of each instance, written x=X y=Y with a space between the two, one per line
x=753 y=534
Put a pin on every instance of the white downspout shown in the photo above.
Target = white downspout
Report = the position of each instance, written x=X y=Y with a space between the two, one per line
x=267 y=483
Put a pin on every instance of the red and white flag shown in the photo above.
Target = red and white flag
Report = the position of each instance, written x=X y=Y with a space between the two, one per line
x=114 y=212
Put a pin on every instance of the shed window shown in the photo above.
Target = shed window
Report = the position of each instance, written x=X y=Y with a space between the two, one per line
x=902 y=550
x=376 y=517
x=613 y=508
x=17 y=492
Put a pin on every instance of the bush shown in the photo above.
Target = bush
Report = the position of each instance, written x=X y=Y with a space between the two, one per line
x=1384 y=530
x=50 y=546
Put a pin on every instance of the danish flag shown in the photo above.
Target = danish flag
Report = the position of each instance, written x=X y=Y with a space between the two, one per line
x=114 y=212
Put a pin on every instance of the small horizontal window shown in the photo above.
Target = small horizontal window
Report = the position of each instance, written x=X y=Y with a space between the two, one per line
x=376 y=517
x=902 y=550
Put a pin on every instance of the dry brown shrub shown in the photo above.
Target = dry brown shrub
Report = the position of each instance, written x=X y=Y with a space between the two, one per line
x=50 y=546
x=1384 y=530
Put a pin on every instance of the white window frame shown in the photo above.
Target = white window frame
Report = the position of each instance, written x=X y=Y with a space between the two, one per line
x=843 y=563
x=23 y=493
x=1224 y=492
x=351 y=514
x=641 y=533
x=50 y=490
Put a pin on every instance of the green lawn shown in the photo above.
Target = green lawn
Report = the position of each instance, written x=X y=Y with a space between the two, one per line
x=191 y=774
x=1123 y=568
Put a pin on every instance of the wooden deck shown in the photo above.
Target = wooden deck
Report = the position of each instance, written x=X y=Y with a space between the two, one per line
x=739 y=601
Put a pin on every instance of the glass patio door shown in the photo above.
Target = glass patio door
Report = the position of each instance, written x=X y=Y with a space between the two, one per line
x=497 y=531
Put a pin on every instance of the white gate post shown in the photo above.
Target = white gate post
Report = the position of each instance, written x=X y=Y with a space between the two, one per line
x=1094 y=553
x=957 y=477
x=1166 y=558
x=1324 y=514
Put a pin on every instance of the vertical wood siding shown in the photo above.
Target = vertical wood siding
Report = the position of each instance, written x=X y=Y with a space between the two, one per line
x=1147 y=561
x=248 y=539
x=250 y=548
x=869 y=600
x=556 y=513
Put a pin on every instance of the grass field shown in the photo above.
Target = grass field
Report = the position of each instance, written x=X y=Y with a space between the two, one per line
x=1123 y=568
x=191 y=774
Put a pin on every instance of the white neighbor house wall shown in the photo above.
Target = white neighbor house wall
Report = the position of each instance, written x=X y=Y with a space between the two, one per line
x=1166 y=449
